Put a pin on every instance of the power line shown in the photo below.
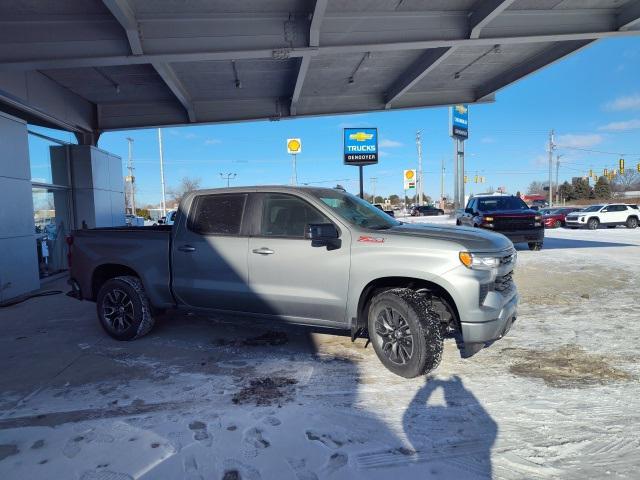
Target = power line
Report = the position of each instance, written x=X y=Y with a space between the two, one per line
x=600 y=151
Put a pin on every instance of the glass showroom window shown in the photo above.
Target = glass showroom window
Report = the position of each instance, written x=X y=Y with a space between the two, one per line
x=51 y=189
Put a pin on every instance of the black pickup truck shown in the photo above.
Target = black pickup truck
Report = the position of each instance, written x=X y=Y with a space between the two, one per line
x=505 y=214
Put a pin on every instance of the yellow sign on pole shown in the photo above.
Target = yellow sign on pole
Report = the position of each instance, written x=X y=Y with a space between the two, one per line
x=294 y=146
x=409 y=177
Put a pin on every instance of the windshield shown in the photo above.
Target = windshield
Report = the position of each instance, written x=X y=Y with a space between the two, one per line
x=592 y=208
x=551 y=211
x=355 y=210
x=501 y=203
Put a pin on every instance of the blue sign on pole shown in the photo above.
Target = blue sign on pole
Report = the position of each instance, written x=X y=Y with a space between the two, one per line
x=459 y=121
x=360 y=146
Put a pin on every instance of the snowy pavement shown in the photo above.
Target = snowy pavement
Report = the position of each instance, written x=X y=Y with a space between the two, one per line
x=217 y=398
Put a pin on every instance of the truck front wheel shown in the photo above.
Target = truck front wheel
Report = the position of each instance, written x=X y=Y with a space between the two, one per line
x=405 y=332
x=123 y=308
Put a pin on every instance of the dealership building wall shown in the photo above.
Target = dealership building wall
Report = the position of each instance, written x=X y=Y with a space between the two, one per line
x=48 y=187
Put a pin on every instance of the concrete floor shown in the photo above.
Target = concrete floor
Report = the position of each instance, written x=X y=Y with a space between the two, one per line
x=223 y=398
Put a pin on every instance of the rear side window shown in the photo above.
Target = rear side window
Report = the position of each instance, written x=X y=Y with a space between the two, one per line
x=218 y=214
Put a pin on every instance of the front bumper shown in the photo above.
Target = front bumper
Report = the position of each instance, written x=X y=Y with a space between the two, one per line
x=525 y=236
x=569 y=222
x=494 y=329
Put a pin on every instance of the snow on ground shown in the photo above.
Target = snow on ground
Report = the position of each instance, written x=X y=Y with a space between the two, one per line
x=214 y=398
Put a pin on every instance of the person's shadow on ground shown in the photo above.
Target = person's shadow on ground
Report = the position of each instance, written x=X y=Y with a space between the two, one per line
x=459 y=433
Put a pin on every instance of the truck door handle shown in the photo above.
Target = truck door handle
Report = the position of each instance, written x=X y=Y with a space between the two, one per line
x=187 y=248
x=263 y=251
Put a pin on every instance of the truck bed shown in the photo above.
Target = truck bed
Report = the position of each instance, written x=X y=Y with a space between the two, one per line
x=145 y=250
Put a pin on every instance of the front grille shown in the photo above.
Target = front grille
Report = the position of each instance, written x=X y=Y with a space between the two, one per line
x=503 y=285
x=510 y=224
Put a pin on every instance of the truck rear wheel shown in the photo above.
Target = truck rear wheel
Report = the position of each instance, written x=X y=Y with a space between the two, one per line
x=405 y=331
x=123 y=308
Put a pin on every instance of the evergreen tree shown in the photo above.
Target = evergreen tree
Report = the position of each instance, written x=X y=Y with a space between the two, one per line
x=566 y=191
x=602 y=189
x=582 y=189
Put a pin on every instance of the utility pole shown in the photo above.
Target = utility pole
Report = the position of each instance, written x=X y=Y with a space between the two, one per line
x=373 y=189
x=419 y=146
x=557 y=184
x=131 y=178
x=163 y=202
x=442 y=185
x=228 y=177
x=551 y=148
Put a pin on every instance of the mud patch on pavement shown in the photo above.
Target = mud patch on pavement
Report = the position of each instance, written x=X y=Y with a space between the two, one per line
x=266 y=391
x=569 y=366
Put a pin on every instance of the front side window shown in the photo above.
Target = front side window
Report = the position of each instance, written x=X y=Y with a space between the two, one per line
x=288 y=216
x=218 y=214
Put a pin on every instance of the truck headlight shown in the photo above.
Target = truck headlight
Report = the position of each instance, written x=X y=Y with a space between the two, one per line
x=478 y=262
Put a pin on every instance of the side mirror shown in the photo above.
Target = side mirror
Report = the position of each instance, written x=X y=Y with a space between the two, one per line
x=469 y=211
x=324 y=235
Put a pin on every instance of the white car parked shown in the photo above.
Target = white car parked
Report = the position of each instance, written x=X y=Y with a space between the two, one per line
x=610 y=215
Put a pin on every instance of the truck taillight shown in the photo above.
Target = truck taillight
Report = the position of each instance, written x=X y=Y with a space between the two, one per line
x=69 y=240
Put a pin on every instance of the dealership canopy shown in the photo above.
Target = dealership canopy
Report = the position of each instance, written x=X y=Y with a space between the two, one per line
x=96 y=65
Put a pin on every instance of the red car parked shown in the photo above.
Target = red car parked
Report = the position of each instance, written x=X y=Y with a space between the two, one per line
x=554 y=217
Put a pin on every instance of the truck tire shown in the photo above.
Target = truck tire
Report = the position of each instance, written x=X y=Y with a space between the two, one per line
x=405 y=331
x=593 y=224
x=535 y=246
x=123 y=308
x=632 y=222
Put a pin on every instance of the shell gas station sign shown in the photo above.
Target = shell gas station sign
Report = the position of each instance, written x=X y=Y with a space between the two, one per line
x=294 y=146
x=409 y=177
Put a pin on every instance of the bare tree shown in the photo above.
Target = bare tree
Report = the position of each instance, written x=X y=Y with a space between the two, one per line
x=537 y=188
x=626 y=181
x=185 y=186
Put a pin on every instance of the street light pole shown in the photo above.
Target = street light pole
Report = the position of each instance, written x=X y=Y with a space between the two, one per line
x=419 y=179
x=551 y=148
x=557 y=181
x=228 y=177
x=164 y=199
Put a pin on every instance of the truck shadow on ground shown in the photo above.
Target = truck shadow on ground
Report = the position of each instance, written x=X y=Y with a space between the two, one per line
x=314 y=386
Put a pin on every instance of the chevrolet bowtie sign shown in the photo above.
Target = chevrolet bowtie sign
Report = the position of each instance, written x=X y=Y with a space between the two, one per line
x=360 y=146
x=459 y=122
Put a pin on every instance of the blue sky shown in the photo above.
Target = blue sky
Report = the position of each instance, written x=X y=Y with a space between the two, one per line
x=591 y=99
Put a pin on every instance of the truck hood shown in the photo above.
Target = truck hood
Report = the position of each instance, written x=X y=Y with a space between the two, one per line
x=473 y=239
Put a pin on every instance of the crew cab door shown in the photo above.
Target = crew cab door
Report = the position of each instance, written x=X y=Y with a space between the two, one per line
x=290 y=277
x=209 y=255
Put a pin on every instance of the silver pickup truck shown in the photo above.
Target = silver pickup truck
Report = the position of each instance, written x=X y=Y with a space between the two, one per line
x=312 y=256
